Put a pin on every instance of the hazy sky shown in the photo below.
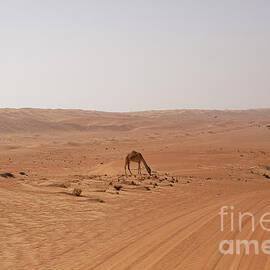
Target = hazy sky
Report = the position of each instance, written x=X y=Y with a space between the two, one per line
x=131 y=55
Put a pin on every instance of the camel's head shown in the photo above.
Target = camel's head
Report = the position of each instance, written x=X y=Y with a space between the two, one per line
x=149 y=170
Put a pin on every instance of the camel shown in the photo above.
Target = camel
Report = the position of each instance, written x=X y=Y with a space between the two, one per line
x=136 y=157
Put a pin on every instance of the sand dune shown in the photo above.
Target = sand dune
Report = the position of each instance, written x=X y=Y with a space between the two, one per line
x=37 y=120
x=201 y=161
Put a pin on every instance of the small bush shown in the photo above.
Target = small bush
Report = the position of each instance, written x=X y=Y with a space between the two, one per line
x=117 y=187
x=7 y=175
x=77 y=192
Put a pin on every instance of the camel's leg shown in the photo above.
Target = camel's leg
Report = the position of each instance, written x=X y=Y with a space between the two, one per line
x=126 y=164
x=139 y=168
x=129 y=168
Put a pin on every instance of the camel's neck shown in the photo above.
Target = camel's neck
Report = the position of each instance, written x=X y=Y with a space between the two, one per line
x=144 y=163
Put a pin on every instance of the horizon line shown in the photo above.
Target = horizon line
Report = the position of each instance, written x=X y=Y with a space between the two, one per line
x=132 y=111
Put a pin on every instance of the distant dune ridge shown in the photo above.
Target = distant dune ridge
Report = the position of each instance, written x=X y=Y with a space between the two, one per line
x=44 y=120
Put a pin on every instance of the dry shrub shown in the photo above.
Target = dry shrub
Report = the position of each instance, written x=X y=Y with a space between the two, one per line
x=7 y=175
x=117 y=187
x=77 y=192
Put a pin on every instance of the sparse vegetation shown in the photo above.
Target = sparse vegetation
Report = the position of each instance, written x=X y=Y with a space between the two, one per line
x=7 y=175
x=118 y=187
x=77 y=192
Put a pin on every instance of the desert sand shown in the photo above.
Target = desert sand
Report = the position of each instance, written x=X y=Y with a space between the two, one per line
x=201 y=161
